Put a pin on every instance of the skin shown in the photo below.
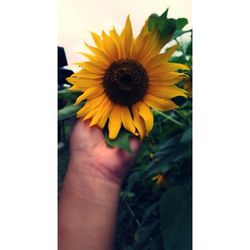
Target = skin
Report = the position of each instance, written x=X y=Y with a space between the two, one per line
x=90 y=193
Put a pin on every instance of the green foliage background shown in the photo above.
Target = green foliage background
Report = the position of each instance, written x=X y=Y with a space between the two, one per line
x=152 y=216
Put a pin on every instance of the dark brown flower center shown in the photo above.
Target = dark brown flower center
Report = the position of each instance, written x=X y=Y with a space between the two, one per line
x=125 y=82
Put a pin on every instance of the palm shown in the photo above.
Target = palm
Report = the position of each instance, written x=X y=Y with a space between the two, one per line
x=87 y=143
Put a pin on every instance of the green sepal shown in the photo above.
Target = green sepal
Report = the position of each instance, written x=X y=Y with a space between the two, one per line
x=121 y=141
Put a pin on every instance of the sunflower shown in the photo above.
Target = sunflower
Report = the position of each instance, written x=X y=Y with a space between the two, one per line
x=124 y=79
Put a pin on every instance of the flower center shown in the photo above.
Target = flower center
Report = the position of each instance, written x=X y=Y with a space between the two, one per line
x=125 y=82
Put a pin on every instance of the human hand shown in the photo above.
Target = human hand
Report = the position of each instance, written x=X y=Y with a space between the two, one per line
x=90 y=193
x=90 y=155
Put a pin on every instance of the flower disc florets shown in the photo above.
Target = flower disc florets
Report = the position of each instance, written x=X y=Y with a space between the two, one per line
x=125 y=82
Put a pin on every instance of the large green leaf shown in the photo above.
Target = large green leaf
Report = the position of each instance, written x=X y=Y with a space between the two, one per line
x=68 y=111
x=176 y=218
x=68 y=95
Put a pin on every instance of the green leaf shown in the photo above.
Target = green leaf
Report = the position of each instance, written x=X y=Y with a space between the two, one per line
x=144 y=233
x=150 y=210
x=167 y=27
x=152 y=21
x=164 y=26
x=181 y=23
x=121 y=141
x=164 y=14
x=176 y=218
x=68 y=111
x=187 y=136
x=67 y=94
x=158 y=168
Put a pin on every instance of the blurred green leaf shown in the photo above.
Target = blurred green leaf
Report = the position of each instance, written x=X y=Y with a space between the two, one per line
x=176 y=218
x=121 y=141
x=67 y=94
x=126 y=194
x=145 y=232
x=187 y=136
x=68 y=111
x=158 y=168
x=150 y=210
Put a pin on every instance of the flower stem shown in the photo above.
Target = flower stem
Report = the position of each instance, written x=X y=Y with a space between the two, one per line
x=168 y=117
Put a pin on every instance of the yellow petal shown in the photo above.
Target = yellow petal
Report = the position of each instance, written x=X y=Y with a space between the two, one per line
x=116 y=38
x=157 y=60
x=90 y=105
x=175 y=66
x=102 y=121
x=114 y=121
x=138 y=121
x=102 y=110
x=167 y=81
x=97 y=39
x=110 y=47
x=166 y=76
x=94 y=110
x=146 y=113
x=127 y=119
x=139 y=42
x=170 y=51
x=84 y=82
x=145 y=49
x=138 y=48
x=90 y=57
x=94 y=67
x=166 y=92
x=127 y=37
x=99 y=53
x=159 y=103
x=90 y=93
x=164 y=57
x=101 y=63
x=86 y=74
x=151 y=48
x=76 y=88
x=165 y=68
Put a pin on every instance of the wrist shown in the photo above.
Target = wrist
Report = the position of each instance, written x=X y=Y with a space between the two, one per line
x=88 y=183
x=87 y=209
x=93 y=168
